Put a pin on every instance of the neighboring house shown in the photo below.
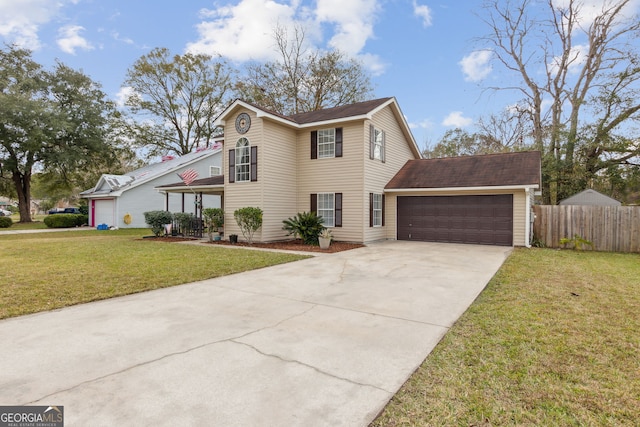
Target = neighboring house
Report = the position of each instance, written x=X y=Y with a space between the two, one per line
x=121 y=200
x=359 y=167
x=591 y=198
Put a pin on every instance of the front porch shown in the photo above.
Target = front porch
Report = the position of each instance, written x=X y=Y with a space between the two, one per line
x=206 y=186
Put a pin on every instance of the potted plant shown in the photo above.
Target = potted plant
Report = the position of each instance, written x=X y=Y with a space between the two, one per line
x=214 y=220
x=324 y=239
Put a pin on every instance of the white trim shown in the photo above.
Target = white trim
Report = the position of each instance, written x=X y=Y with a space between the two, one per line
x=455 y=189
x=220 y=120
x=527 y=218
x=185 y=189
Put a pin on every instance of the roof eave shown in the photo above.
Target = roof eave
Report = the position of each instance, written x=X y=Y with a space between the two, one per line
x=452 y=189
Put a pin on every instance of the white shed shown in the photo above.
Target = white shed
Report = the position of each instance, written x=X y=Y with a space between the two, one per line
x=121 y=200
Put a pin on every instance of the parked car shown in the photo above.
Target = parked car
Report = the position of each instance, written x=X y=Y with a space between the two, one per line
x=64 y=210
x=4 y=212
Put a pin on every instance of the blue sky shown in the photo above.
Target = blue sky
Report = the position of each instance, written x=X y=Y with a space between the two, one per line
x=420 y=51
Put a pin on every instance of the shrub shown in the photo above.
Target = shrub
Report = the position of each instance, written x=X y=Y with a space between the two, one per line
x=5 y=222
x=250 y=220
x=65 y=220
x=156 y=220
x=306 y=225
x=214 y=219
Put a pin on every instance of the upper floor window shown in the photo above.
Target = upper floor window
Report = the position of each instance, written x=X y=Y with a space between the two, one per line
x=377 y=144
x=243 y=160
x=215 y=170
x=326 y=143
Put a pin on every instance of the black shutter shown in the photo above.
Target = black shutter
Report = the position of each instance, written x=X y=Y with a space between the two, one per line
x=370 y=209
x=383 y=210
x=254 y=163
x=314 y=144
x=372 y=139
x=338 y=142
x=314 y=203
x=338 y=207
x=232 y=165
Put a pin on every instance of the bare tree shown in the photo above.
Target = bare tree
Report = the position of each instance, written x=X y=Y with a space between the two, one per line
x=177 y=97
x=585 y=66
x=304 y=79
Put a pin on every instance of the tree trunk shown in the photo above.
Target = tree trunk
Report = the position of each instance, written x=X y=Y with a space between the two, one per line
x=23 y=189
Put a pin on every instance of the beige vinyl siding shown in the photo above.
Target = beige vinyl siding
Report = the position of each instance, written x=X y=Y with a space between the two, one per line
x=335 y=175
x=377 y=174
x=242 y=194
x=276 y=161
x=519 y=210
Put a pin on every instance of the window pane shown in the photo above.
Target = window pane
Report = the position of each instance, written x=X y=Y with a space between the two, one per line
x=377 y=144
x=326 y=143
x=326 y=208
x=377 y=210
x=242 y=159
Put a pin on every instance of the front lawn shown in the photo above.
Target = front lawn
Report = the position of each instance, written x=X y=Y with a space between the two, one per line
x=44 y=271
x=553 y=340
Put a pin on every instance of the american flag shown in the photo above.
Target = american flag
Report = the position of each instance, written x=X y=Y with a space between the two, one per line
x=188 y=176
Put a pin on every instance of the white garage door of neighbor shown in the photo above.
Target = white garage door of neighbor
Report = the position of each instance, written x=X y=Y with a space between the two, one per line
x=105 y=212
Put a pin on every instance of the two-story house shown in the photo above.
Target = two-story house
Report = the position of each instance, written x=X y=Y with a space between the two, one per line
x=359 y=167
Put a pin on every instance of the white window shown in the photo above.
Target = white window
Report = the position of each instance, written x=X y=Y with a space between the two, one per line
x=326 y=143
x=327 y=208
x=377 y=210
x=378 y=144
x=243 y=159
x=215 y=170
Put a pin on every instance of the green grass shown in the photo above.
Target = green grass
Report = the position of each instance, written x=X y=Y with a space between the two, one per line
x=553 y=340
x=44 y=271
x=37 y=223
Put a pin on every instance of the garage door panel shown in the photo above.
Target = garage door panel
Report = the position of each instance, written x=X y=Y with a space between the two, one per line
x=456 y=219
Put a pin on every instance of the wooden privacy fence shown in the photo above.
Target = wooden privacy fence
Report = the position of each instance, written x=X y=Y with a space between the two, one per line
x=609 y=228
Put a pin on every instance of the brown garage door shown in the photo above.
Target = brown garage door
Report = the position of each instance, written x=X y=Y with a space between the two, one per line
x=485 y=220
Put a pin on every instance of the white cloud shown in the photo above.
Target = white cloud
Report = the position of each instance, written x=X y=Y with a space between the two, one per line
x=244 y=31
x=69 y=39
x=21 y=20
x=476 y=66
x=423 y=12
x=424 y=124
x=123 y=94
x=456 y=119
x=578 y=57
x=353 y=22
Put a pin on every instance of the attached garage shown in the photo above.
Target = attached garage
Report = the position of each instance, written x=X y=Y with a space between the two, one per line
x=482 y=200
x=481 y=219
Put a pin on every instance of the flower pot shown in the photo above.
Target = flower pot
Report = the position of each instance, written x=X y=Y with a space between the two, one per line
x=233 y=238
x=324 y=242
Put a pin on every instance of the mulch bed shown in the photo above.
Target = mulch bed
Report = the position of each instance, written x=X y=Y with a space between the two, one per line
x=294 y=245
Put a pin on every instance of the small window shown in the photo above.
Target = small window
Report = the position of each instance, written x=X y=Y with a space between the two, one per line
x=215 y=170
x=326 y=208
x=326 y=143
x=377 y=210
x=243 y=160
x=377 y=144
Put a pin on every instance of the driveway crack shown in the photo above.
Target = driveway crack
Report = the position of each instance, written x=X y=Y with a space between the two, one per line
x=315 y=368
x=170 y=355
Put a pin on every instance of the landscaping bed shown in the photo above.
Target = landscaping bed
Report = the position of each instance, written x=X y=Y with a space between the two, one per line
x=294 y=245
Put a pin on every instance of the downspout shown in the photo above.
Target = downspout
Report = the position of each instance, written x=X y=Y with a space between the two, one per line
x=527 y=216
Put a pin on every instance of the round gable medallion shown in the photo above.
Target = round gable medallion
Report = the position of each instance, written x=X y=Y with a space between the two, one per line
x=243 y=123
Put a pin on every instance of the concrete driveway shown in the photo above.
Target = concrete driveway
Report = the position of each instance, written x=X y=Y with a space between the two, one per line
x=320 y=342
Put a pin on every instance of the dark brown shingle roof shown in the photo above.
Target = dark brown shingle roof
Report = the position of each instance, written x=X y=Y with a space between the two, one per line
x=341 y=112
x=521 y=168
